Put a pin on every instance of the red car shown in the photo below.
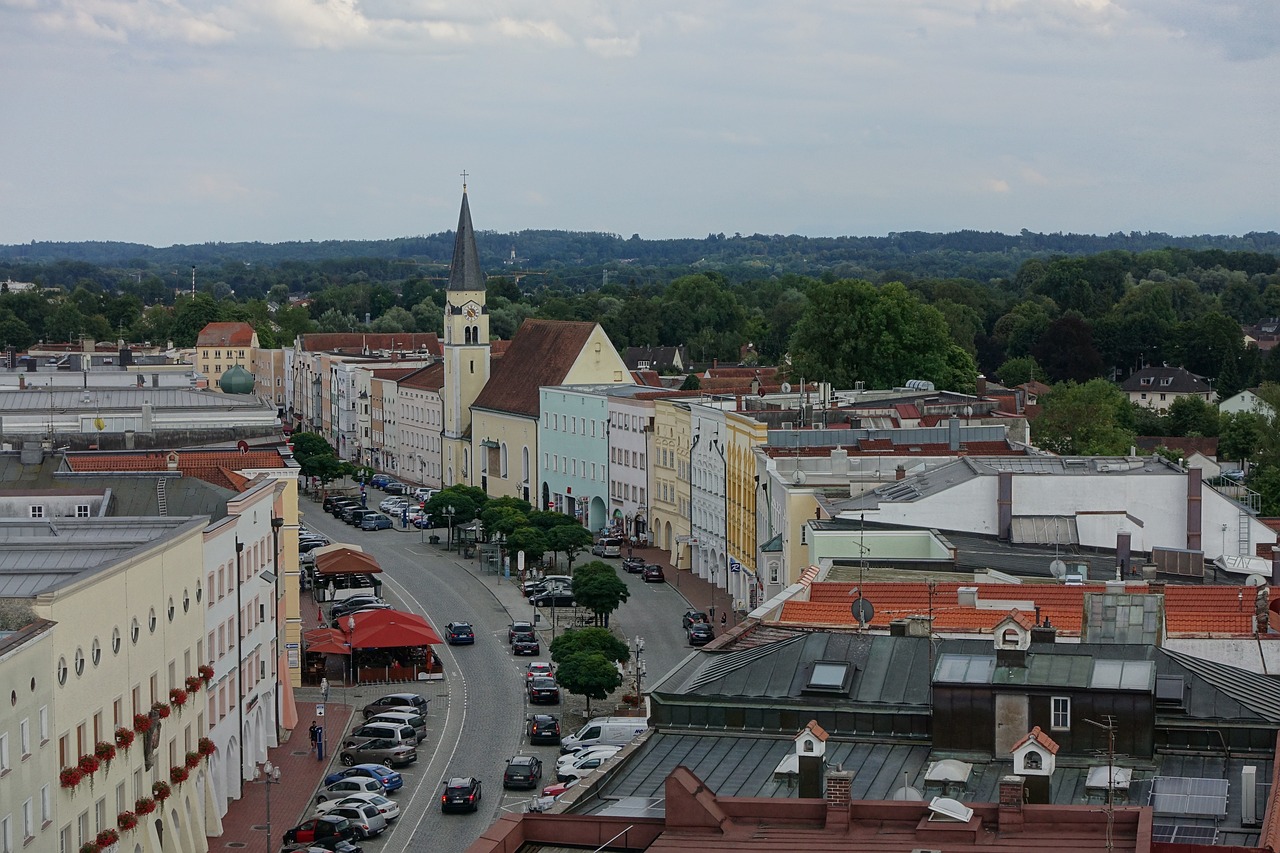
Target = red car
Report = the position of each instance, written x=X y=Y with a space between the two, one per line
x=653 y=574
x=319 y=829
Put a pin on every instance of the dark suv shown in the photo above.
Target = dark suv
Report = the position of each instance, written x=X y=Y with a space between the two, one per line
x=544 y=728
x=461 y=794
x=523 y=771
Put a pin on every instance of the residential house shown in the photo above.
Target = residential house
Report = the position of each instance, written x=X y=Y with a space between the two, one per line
x=219 y=346
x=1157 y=387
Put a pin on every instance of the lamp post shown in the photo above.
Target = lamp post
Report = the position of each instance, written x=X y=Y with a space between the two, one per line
x=449 y=513
x=276 y=524
x=268 y=775
x=637 y=646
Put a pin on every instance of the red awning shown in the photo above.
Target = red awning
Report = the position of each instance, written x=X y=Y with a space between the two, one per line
x=385 y=629
x=345 y=561
x=326 y=641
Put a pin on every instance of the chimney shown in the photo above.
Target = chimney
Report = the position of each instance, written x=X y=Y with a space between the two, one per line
x=1004 y=506
x=811 y=749
x=967 y=596
x=1194 y=507
x=981 y=386
x=953 y=434
x=22 y=382
x=1275 y=565
x=1012 y=796
x=839 y=783
x=839 y=462
x=1045 y=633
x=900 y=473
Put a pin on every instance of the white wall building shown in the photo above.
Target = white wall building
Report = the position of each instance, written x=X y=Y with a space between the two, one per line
x=630 y=427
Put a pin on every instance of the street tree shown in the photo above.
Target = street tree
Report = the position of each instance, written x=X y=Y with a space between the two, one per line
x=531 y=540
x=570 y=540
x=588 y=674
x=596 y=640
x=1084 y=420
x=597 y=587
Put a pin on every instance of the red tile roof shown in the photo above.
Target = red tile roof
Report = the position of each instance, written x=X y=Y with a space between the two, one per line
x=907 y=411
x=225 y=335
x=219 y=467
x=816 y=730
x=1189 y=610
x=541 y=353
x=430 y=378
x=1040 y=738
x=393 y=373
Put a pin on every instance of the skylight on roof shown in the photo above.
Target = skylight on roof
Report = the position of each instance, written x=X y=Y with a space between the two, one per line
x=945 y=808
x=829 y=675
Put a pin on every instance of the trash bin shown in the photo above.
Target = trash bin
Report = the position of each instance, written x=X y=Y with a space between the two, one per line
x=433 y=539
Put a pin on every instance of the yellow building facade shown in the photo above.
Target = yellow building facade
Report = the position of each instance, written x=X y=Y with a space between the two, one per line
x=669 y=498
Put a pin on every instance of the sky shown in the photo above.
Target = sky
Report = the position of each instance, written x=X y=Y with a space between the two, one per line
x=191 y=121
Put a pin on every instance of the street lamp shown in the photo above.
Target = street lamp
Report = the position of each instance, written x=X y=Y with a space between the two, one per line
x=270 y=775
x=637 y=646
x=449 y=513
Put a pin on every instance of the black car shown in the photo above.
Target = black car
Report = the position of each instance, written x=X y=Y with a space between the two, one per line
x=692 y=616
x=461 y=794
x=358 y=515
x=523 y=771
x=653 y=573
x=517 y=628
x=340 y=505
x=544 y=728
x=459 y=634
x=526 y=644
x=556 y=598
x=543 y=689
x=329 y=501
x=633 y=565
x=393 y=488
x=333 y=844
x=700 y=633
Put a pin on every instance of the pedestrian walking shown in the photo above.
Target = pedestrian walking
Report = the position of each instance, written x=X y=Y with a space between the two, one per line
x=315 y=735
x=324 y=690
x=724 y=618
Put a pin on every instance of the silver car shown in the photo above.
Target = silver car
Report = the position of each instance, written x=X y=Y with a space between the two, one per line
x=366 y=819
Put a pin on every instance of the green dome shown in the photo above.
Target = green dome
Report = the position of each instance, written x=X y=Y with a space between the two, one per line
x=236 y=380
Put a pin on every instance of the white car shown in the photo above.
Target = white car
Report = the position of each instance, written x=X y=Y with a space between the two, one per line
x=422 y=493
x=393 y=505
x=344 y=788
x=569 y=760
x=389 y=808
x=582 y=767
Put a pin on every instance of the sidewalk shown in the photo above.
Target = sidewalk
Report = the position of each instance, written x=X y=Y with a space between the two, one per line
x=245 y=823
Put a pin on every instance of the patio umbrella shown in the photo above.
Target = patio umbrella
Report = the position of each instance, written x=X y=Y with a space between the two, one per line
x=386 y=629
x=326 y=641
x=345 y=561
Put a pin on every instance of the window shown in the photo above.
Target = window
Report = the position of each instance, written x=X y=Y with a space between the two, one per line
x=46 y=806
x=82 y=510
x=44 y=724
x=62 y=671
x=1061 y=717
x=28 y=821
x=37 y=511
x=115 y=640
x=24 y=736
x=4 y=754
x=6 y=834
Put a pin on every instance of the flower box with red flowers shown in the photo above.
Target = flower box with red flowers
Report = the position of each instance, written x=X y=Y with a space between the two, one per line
x=161 y=709
x=206 y=672
x=142 y=723
x=193 y=760
x=124 y=737
x=104 y=751
x=194 y=683
x=126 y=820
x=177 y=697
x=107 y=837
x=89 y=764
x=70 y=777
x=178 y=774
x=205 y=747
x=144 y=805
x=90 y=847
x=161 y=791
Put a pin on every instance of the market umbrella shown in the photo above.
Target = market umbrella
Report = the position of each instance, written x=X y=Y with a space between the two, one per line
x=327 y=641
x=345 y=561
x=385 y=629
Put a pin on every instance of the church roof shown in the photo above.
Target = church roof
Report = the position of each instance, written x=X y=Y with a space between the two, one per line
x=541 y=353
x=464 y=270
x=225 y=335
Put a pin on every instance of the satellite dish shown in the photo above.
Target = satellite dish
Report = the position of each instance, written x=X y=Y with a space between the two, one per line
x=1256 y=580
x=798 y=477
x=1058 y=569
x=786 y=388
x=862 y=610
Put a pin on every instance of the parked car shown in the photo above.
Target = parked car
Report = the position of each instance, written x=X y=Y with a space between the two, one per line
x=700 y=633
x=607 y=547
x=554 y=598
x=537 y=668
x=396 y=700
x=379 y=480
x=634 y=565
x=393 y=505
x=388 y=808
x=341 y=788
x=559 y=788
x=394 y=487
x=691 y=616
x=459 y=634
x=526 y=644
x=342 y=504
x=582 y=767
x=354 y=603
x=333 y=844
x=394 y=732
x=367 y=821
x=544 y=728
x=359 y=515
x=523 y=771
x=653 y=573
x=605 y=751
x=423 y=493
x=461 y=793
x=392 y=753
x=517 y=628
x=532 y=588
x=328 y=503
x=376 y=521
x=318 y=828
x=390 y=779
x=543 y=689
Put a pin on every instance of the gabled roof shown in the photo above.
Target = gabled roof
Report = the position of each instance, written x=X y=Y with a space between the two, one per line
x=225 y=335
x=1168 y=380
x=218 y=467
x=430 y=378
x=816 y=730
x=1040 y=738
x=1186 y=445
x=464 y=269
x=541 y=353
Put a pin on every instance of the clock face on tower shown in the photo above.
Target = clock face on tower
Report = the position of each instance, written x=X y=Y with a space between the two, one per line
x=471 y=310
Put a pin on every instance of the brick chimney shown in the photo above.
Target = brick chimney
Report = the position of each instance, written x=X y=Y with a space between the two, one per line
x=1012 y=796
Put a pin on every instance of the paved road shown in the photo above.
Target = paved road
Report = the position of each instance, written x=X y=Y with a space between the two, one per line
x=476 y=719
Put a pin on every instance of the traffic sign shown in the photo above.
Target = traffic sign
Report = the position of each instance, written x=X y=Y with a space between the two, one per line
x=320 y=710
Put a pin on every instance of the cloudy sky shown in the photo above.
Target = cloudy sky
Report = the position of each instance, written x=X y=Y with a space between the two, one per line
x=185 y=121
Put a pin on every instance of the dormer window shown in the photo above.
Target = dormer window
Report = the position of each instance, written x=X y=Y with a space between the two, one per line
x=1168 y=380
x=1146 y=380
x=829 y=676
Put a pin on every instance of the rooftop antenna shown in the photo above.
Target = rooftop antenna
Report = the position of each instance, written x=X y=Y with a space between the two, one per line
x=193 y=281
x=1109 y=726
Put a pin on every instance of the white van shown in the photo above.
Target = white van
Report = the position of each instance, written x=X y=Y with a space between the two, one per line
x=601 y=731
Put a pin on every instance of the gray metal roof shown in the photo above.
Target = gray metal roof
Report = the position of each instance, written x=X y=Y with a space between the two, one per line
x=1226 y=691
x=106 y=399
x=464 y=270
x=130 y=495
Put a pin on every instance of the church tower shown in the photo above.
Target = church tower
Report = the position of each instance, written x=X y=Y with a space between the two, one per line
x=466 y=350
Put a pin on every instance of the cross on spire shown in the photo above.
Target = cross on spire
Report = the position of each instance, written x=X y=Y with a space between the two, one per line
x=464 y=180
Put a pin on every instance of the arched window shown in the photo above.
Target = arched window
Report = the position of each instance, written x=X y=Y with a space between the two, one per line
x=524 y=466
x=502 y=460
x=1033 y=761
x=466 y=334
x=1009 y=637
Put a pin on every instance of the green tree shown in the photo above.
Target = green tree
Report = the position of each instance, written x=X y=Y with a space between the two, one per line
x=334 y=320
x=691 y=382
x=1241 y=436
x=599 y=641
x=853 y=331
x=464 y=500
x=1192 y=416
x=1018 y=371
x=568 y=539
x=531 y=540
x=395 y=319
x=588 y=674
x=1090 y=419
x=597 y=587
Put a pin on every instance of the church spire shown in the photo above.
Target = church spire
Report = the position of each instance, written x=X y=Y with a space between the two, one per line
x=464 y=270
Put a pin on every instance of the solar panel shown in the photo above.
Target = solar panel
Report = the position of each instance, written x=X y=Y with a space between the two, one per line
x=1183 y=833
x=1180 y=795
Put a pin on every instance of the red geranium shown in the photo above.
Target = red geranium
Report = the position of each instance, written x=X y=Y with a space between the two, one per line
x=161 y=709
x=89 y=764
x=124 y=737
x=206 y=672
x=70 y=777
x=177 y=697
x=193 y=759
x=126 y=820
x=142 y=723
x=161 y=791
x=107 y=837
x=205 y=747
x=194 y=683
x=144 y=805
x=90 y=847
x=178 y=774
x=104 y=751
